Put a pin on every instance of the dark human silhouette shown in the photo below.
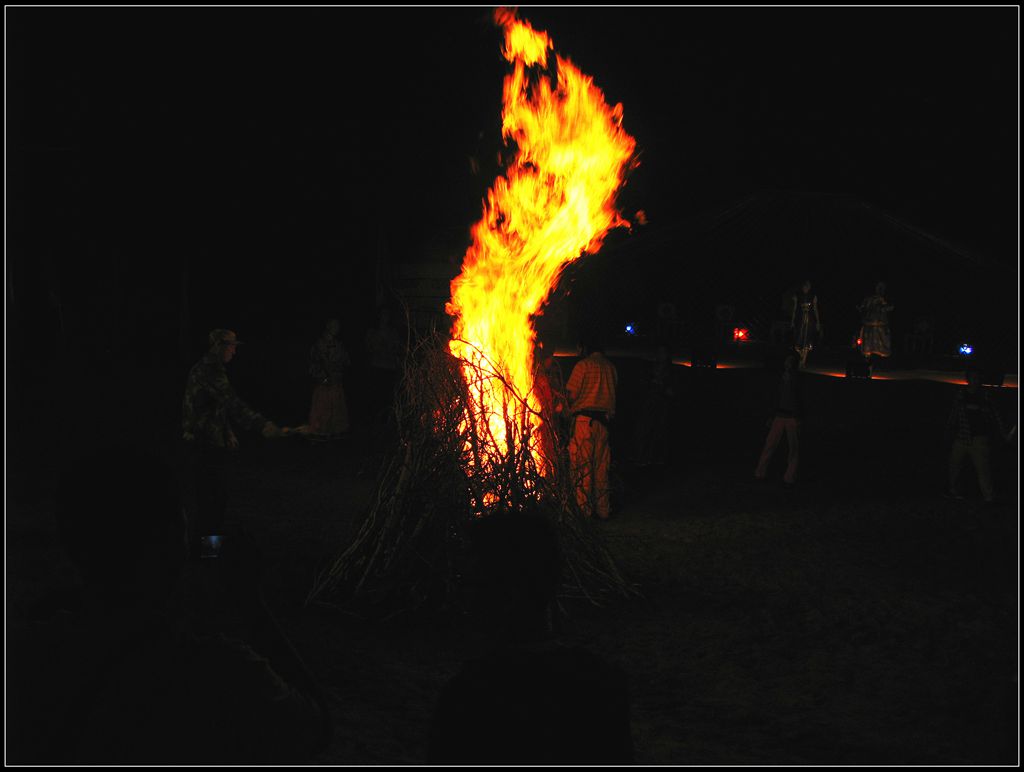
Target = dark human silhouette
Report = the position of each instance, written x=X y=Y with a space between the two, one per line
x=650 y=438
x=782 y=325
x=805 y=322
x=530 y=699
x=125 y=679
x=549 y=389
x=385 y=349
x=974 y=422
x=669 y=326
x=921 y=339
x=786 y=420
x=328 y=413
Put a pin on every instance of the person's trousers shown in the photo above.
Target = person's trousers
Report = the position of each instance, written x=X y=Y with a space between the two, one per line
x=979 y=450
x=590 y=457
x=205 y=489
x=789 y=426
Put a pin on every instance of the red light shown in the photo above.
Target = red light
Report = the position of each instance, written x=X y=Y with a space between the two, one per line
x=740 y=333
x=860 y=341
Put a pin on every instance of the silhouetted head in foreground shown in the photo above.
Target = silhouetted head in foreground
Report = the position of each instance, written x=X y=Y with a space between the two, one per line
x=120 y=519
x=516 y=571
x=537 y=701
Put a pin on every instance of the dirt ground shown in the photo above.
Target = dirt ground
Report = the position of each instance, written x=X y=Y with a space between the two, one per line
x=860 y=618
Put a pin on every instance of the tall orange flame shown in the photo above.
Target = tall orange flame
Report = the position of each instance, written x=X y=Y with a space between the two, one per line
x=554 y=203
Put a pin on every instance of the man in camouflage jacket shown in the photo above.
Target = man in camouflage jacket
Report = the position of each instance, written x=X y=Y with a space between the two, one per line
x=209 y=406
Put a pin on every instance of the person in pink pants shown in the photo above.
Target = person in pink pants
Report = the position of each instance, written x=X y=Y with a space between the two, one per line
x=786 y=421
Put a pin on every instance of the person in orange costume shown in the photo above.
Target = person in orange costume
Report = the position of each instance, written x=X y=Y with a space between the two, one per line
x=591 y=396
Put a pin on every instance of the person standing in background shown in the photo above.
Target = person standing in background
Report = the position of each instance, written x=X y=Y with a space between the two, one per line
x=328 y=415
x=805 y=322
x=550 y=392
x=875 y=338
x=385 y=350
x=786 y=421
x=650 y=438
x=973 y=423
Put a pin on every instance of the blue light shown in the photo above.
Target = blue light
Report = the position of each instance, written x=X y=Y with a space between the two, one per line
x=966 y=349
x=630 y=329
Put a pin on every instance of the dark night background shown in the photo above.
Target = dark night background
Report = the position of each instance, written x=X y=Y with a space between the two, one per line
x=265 y=157
x=172 y=170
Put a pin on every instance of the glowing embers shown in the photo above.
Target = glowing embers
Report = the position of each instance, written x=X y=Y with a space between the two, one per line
x=554 y=202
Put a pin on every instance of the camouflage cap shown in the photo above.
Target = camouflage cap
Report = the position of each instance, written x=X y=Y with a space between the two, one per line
x=221 y=337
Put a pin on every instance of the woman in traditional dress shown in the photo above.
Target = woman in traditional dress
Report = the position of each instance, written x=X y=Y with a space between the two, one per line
x=875 y=338
x=328 y=416
x=805 y=322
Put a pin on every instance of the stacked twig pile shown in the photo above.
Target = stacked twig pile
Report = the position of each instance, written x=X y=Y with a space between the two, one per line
x=447 y=470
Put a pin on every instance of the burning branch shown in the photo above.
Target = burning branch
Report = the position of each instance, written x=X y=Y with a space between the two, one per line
x=411 y=542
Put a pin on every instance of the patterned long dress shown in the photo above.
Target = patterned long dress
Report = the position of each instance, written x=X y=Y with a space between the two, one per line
x=874 y=332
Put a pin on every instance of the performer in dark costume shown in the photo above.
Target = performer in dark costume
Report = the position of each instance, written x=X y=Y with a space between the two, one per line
x=806 y=323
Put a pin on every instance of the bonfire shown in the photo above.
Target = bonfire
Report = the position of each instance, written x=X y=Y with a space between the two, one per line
x=468 y=414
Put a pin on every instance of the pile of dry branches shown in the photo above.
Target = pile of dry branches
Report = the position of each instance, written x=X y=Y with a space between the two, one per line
x=446 y=471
